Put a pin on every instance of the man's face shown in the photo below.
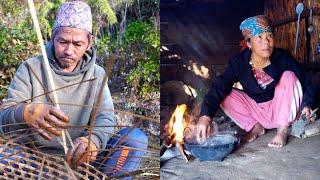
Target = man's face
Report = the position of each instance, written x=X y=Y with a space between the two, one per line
x=70 y=44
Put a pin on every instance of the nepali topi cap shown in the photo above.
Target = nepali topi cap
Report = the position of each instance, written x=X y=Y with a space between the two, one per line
x=254 y=26
x=76 y=14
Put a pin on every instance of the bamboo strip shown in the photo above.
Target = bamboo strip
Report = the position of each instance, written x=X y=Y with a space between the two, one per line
x=47 y=66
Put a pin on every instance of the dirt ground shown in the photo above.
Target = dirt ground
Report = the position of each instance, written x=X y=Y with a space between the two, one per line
x=299 y=159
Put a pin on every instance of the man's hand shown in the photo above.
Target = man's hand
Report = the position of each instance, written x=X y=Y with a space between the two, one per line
x=204 y=128
x=45 y=119
x=80 y=153
x=307 y=112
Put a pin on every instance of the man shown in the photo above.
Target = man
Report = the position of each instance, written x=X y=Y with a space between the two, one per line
x=72 y=60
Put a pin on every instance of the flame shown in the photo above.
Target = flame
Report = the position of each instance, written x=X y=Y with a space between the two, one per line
x=177 y=122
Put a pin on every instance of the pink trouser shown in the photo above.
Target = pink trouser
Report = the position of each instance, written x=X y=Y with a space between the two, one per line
x=280 y=111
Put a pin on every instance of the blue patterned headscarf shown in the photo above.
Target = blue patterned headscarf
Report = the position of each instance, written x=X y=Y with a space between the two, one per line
x=254 y=26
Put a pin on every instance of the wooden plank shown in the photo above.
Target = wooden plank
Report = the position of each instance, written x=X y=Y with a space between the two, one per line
x=304 y=15
x=315 y=36
x=282 y=13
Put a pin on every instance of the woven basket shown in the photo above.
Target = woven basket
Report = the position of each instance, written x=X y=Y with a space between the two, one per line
x=24 y=163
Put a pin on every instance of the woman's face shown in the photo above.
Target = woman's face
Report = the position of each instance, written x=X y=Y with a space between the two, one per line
x=262 y=44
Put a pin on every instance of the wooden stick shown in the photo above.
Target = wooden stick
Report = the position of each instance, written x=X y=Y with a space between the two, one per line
x=181 y=150
x=41 y=168
x=70 y=171
x=47 y=66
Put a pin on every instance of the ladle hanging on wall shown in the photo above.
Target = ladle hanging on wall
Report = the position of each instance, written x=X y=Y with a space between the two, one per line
x=299 y=9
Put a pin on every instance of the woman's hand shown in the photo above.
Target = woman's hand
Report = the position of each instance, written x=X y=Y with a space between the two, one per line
x=204 y=128
x=307 y=112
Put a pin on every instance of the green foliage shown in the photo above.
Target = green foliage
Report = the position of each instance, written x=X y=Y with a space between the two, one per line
x=46 y=15
x=142 y=43
x=104 y=7
x=103 y=15
x=11 y=7
x=17 y=42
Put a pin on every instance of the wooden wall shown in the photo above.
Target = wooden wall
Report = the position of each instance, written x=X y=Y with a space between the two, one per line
x=204 y=33
x=197 y=39
x=282 y=10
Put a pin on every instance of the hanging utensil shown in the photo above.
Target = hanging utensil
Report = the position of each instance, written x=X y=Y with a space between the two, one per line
x=299 y=9
x=310 y=31
x=310 y=28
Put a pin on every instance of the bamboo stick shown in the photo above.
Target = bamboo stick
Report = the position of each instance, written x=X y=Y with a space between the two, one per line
x=45 y=58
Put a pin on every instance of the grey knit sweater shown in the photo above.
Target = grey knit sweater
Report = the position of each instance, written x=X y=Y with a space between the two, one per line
x=26 y=85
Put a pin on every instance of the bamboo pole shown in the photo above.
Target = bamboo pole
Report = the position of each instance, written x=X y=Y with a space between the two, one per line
x=47 y=67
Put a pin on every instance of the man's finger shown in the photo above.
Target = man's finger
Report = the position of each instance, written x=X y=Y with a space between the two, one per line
x=85 y=157
x=93 y=155
x=56 y=121
x=70 y=153
x=79 y=153
x=42 y=133
x=49 y=128
x=59 y=114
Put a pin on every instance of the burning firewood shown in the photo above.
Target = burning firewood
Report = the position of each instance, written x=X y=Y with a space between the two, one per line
x=175 y=131
x=180 y=147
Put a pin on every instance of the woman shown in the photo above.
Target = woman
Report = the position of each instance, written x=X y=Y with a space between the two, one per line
x=274 y=87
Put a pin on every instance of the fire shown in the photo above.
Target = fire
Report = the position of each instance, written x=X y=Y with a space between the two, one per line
x=177 y=122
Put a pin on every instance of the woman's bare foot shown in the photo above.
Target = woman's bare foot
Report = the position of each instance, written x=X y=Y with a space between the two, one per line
x=280 y=139
x=256 y=131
